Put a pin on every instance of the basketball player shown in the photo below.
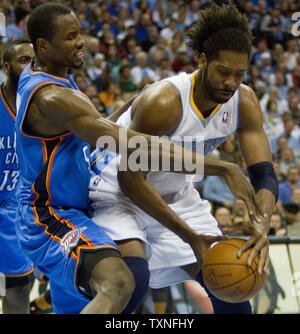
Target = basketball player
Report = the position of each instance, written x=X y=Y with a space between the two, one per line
x=14 y=265
x=55 y=123
x=211 y=102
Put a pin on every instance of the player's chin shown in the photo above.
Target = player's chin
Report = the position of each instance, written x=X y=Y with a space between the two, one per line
x=222 y=99
x=77 y=65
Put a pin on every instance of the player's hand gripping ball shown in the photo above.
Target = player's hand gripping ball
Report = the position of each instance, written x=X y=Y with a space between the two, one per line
x=228 y=277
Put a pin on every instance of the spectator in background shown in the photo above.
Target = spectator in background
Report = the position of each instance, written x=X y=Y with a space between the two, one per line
x=142 y=32
x=216 y=190
x=290 y=132
x=125 y=81
x=193 y=11
x=280 y=83
x=272 y=24
x=169 y=30
x=277 y=53
x=177 y=42
x=294 y=109
x=21 y=10
x=92 y=47
x=155 y=61
x=276 y=225
x=99 y=105
x=180 y=61
x=261 y=48
x=109 y=95
x=286 y=188
x=162 y=46
x=272 y=118
x=160 y=15
x=291 y=54
x=266 y=67
x=239 y=212
x=281 y=144
x=254 y=78
x=253 y=16
x=113 y=8
x=81 y=80
x=293 y=208
x=223 y=217
x=229 y=150
x=287 y=160
x=272 y=94
x=164 y=70
x=125 y=17
x=296 y=78
x=142 y=71
x=106 y=40
x=96 y=69
x=112 y=57
x=151 y=41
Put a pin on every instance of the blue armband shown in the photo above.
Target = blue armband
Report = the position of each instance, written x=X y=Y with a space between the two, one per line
x=262 y=176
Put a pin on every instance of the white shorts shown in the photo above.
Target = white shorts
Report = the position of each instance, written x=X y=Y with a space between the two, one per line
x=166 y=252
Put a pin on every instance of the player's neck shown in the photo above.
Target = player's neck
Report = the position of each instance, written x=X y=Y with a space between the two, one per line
x=201 y=96
x=50 y=68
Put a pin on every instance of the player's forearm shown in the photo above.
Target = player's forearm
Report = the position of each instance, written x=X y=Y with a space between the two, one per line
x=147 y=199
x=157 y=153
x=267 y=203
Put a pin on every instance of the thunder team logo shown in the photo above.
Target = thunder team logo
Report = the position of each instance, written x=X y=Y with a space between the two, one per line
x=70 y=240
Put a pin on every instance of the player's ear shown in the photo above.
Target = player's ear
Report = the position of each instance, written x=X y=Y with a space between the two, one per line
x=202 y=62
x=42 y=45
x=5 y=67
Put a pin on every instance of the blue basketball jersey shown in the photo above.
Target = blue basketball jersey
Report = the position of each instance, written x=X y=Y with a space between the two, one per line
x=54 y=171
x=9 y=167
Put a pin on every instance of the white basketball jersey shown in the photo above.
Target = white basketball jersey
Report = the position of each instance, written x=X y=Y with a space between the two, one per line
x=211 y=131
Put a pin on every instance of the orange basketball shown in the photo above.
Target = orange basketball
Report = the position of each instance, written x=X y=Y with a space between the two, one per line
x=229 y=278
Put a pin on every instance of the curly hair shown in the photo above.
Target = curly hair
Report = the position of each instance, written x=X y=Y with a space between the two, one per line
x=220 y=27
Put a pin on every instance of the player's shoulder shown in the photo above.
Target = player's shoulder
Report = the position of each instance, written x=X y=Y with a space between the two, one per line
x=247 y=95
x=249 y=107
x=161 y=93
x=158 y=108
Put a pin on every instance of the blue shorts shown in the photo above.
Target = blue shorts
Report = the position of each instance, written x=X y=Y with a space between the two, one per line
x=56 y=240
x=14 y=264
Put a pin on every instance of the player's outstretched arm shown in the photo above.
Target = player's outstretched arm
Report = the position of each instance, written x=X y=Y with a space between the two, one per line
x=56 y=110
x=256 y=151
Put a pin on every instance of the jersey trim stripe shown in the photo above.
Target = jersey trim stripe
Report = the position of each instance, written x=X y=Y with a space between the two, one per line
x=22 y=274
x=34 y=91
x=33 y=71
x=99 y=157
x=50 y=164
x=8 y=108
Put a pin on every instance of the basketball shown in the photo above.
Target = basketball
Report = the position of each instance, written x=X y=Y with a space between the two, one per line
x=228 y=277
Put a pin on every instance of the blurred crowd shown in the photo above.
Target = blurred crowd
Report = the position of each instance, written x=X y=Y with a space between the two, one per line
x=131 y=43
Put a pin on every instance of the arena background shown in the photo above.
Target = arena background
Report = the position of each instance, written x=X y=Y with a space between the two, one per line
x=131 y=43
